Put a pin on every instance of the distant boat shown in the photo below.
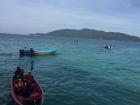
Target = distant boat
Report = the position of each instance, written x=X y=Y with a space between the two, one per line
x=37 y=52
x=36 y=97
x=76 y=41
x=108 y=46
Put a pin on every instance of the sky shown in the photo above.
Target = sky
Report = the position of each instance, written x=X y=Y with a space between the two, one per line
x=42 y=16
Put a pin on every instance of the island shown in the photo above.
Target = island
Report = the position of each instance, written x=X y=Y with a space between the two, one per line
x=91 y=34
x=83 y=33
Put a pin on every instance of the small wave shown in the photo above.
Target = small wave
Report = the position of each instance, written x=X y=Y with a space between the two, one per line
x=7 y=54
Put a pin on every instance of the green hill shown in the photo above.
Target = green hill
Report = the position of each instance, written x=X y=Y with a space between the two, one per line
x=93 y=34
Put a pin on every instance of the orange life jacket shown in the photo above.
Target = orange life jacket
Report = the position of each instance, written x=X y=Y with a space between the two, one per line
x=18 y=85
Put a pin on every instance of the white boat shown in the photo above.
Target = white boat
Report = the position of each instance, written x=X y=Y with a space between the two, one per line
x=108 y=46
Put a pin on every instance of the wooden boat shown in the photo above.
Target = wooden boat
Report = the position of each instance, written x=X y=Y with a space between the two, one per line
x=35 y=98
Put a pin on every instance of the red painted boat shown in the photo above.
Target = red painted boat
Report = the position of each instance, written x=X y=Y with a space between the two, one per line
x=35 y=98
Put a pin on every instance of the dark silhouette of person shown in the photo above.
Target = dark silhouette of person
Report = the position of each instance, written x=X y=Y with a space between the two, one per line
x=19 y=73
x=31 y=50
x=28 y=88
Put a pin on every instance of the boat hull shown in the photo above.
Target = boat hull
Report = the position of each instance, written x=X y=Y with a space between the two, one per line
x=46 y=51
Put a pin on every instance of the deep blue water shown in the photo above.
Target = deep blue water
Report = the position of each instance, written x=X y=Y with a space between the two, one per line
x=81 y=73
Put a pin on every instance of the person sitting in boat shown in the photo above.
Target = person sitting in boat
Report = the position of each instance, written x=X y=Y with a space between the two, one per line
x=18 y=86
x=31 y=50
x=29 y=77
x=19 y=73
x=21 y=51
x=24 y=85
x=27 y=89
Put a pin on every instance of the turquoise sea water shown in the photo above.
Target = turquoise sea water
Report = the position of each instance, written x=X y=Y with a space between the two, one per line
x=81 y=73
